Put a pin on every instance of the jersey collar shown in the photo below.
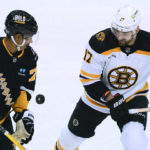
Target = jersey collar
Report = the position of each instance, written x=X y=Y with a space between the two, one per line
x=9 y=51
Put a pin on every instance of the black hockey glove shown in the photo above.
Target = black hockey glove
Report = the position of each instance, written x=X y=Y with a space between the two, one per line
x=118 y=108
x=24 y=126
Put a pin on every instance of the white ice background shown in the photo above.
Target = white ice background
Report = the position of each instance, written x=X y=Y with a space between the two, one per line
x=65 y=26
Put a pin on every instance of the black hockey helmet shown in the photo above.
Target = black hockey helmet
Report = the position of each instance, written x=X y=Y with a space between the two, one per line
x=19 y=21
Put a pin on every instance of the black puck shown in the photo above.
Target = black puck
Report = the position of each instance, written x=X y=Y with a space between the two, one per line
x=40 y=99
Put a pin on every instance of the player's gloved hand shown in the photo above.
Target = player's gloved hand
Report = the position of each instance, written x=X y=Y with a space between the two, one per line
x=118 y=108
x=24 y=126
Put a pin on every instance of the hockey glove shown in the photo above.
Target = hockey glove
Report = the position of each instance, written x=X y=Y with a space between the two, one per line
x=24 y=126
x=118 y=108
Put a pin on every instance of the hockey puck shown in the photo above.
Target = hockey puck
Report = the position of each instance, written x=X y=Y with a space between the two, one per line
x=40 y=99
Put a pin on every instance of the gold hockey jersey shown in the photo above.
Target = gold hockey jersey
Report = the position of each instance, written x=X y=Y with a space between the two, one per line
x=120 y=69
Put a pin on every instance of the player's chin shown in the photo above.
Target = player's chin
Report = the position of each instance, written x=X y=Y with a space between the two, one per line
x=123 y=43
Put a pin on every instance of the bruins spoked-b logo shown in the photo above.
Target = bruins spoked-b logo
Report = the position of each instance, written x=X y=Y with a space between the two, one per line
x=100 y=36
x=122 y=77
x=75 y=122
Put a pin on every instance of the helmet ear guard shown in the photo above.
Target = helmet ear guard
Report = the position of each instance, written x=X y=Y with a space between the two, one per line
x=126 y=19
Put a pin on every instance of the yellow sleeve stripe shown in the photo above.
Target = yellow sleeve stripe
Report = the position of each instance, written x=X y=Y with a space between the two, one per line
x=59 y=146
x=89 y=74
x=94 y=102
x=87 y=80
x=142 y=52
x=111 y=51
x=55 y=147
x=146 y=86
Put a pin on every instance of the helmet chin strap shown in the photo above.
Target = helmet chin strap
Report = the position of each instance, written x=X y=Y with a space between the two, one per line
x=18 y=46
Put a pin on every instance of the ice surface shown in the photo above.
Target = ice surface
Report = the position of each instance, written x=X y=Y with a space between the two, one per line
x=64 y=28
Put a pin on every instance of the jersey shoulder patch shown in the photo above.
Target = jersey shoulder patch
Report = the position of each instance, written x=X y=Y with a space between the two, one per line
x=103 y=41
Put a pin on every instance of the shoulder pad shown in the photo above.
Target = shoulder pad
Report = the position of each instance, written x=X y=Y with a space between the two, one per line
x=143 y=34
x=103 y=41
x=143 y=40
x=33 y=53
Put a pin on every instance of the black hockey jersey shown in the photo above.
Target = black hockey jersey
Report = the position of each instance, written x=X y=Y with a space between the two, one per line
x=17 y=78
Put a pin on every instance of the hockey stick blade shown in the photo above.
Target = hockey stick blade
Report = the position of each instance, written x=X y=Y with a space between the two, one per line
x=11 y=138
x=137 y=110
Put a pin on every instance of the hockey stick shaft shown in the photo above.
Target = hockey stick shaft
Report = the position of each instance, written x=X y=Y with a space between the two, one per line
x=11 y=138
x=133 y=111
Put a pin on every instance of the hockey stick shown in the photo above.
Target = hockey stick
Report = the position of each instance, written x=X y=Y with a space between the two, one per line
x=11 y=138
x=137 y=110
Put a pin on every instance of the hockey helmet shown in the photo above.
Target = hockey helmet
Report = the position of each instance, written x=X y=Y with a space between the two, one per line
x=19 y=21
x=126 y=19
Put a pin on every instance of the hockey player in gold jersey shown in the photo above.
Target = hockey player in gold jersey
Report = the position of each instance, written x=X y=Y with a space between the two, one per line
x=114 y=75
x=17 y=76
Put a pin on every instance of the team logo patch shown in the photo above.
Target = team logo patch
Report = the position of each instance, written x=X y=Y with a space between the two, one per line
x=22 y=72
x=19 y=19
x=122 y=77
x=100 y=36
x=75 y=122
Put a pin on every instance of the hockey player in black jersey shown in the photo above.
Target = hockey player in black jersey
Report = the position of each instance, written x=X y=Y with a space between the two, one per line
x=114 y=75
x=17 y=76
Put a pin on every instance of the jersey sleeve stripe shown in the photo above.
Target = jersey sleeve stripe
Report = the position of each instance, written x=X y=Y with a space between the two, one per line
x=138 y=93
x=94 y=76
x=87 y=80
x=55 y=147
x=59 y=146
x=93 y=101
x=131 y=97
